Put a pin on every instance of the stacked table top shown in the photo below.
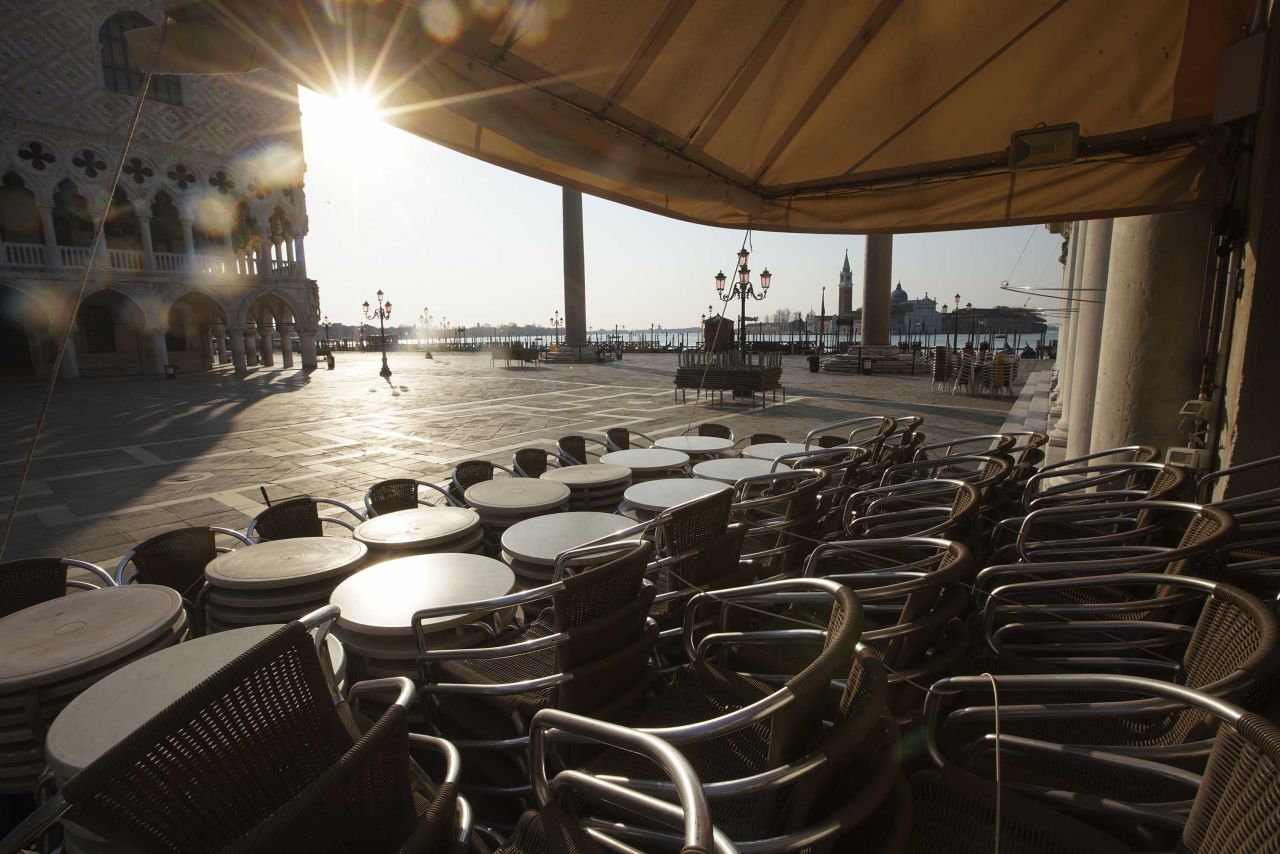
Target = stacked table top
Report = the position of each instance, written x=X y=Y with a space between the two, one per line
x=503 y=502
x=772 y=450
x=532 y=546
x=277 y=581
x=649 y=463
x=424 y=530
x=55 y=650
x=650 y=498
x=378 y=604
x=731 y=471
x=592 y=487
x=700 y=446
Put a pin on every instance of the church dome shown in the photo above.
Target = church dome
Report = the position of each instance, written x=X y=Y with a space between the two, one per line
x=899 y=295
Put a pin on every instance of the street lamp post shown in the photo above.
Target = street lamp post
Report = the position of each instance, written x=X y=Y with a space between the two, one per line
x=955 y=325
x=383 y=314
x=325 y=324
x=555 y=325
x=743 y=290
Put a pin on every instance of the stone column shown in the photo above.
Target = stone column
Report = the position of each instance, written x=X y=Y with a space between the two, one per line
x=228 y=247
x=1067 y=336
x=1074 y=239
x=1149 y=364
x=70 y=369
x=286 y=349
x=238 y=358
x=189 y=244
x=300 y=255
x=251 y=342
x=219 y=335
x=52 y=256
x=575 y=271
x=1088 y=336
x=268 y=355
x=148 y=250
x=877 y=276
x=159 y=349
x=307 y=346
x=264 y=257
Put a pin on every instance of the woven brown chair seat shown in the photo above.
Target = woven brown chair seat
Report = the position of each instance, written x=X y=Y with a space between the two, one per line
x=258 y=758
x=623 y=439
x=572 y=449
x=781 y=512
x=468 y=473
x=30 y=581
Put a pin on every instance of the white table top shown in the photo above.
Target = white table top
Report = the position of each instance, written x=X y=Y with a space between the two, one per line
x=284 y=563
x=517 y=494
x=659 y=495
x=647 y=459
x=694 y=444
x=592 y=475
x=382 y=599
x=116 y=705
x=65 y=637
x=732 y=471
x=421 y=527
x=772 y=450
x=541 y=540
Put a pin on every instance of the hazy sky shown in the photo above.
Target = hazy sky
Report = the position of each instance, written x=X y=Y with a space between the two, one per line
x=478 y=244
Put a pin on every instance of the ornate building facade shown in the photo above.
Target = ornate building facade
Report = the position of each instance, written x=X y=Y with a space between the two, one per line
x=204 y=260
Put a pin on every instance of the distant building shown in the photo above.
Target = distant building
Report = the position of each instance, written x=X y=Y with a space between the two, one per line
x=203 y=259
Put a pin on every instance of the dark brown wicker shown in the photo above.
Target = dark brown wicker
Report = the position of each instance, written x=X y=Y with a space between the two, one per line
x=388 y=496
x=719 y=431
x=765 y=439
x=572 y=450
x=285 y=520
x=30 y=581
x=255 y=758
x=176 y=559
x=530 y=462
x=467 y=474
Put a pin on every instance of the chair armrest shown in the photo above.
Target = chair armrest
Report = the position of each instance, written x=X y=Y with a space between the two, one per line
x=336 y=503
x=403 y=687
x=449 y=499
x=34 y=825
x=124 y=561
x=93 y=568
x=452 y=758
x=341 y=522
x=231 y=533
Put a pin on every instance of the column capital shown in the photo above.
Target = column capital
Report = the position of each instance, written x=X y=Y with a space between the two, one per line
x=157 y=330
x=304 y=328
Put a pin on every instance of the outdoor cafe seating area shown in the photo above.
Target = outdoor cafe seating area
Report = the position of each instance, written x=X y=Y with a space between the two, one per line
x=861 y=638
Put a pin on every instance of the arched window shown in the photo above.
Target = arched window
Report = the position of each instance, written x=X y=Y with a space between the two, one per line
x=120 y=73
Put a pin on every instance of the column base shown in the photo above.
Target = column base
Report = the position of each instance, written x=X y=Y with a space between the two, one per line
x=1058 y=436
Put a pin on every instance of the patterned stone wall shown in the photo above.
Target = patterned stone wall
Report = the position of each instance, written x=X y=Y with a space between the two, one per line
x=235 y=137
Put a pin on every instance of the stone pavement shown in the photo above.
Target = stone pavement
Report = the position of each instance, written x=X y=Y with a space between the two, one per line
x=122 y=460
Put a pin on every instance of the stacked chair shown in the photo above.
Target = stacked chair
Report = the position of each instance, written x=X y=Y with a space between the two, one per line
x=297 y=517
x=885 y=644
x=30 y=581
x=402 y=493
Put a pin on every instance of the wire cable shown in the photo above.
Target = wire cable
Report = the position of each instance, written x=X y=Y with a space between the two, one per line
x=98 y=240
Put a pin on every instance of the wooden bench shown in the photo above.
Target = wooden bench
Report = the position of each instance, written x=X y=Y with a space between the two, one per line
x=521 y=355
x=742 y=382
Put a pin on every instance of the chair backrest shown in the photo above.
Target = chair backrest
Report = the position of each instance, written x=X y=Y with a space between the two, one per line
x=1235 y=805
x=619 y=438
x=468 y=473
x=572 y=450
x=529 y=462
x=30 y=581
x=285 y=520
x=601 y=589
x=717 y=430
x=389 y=496
x=713 y=562
x=224 y=757
x=766 y=438
x=685 y=527
x=176 y=558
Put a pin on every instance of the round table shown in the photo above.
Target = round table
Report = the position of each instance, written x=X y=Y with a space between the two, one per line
x=648 y=463
x=702 y=445
x=654 y=496
x=773 y=450
x=594 y=486
x=532 y=546
x=277 y=581
x=503 y=502
x=62 y=638
x=733 y=470
x=440 y=529
x=381 y=600
x=115 y=706
x=57 y=649
x=286 y=563
x=520 y=496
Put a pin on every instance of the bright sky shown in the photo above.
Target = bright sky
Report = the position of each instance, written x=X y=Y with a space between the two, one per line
x=479 y=244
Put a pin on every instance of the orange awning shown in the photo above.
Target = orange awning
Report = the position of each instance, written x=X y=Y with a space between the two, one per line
x=794 y=115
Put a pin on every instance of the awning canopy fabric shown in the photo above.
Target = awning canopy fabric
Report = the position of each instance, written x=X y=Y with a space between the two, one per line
x=795 y=115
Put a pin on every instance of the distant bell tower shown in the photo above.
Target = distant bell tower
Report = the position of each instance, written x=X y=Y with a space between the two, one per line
x=846 y=286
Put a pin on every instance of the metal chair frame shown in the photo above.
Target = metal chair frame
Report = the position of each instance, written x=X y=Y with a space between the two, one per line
x=614 y=446
x=568 y=459
x=121 y=580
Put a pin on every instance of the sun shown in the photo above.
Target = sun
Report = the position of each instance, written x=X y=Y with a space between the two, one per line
x=356 y=106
